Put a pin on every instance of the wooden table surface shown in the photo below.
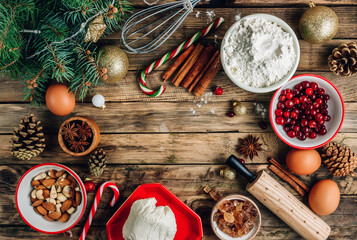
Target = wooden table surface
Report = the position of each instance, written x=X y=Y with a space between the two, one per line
x=177 y=139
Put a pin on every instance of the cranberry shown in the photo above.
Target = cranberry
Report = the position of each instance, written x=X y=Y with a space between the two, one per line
x=287 y=120
x=230 y=114
x=297 y=111
x=326 y=97
x=296 y=128
x=296 y=100
x=292 y=122
x=289 y=95
x=309 y=117
x=301 y=136
x=286 y=114
x=280 y=120
x=282 y=98
x=327 y=118
x=305 y=130
x=324 y=106
x=289 y=104
x=307 y=112
x=263 y=125
x=316 y=105
x=286 y=128
x=309 y=107
x=312 y=124
x=296 y=92
x=319 y=117
x=298 y=87
x=305 y=84
x=281 y=105
x=309 y=91
x=322 y=131
x=319 y=101
x=303 y=106
x=312 y=135
x=314 y=86
x=291 y=133
x=278 y=112
x=313 y=97
x=321 y=91
x=293 y=115
x=324 y=112
x=304 y=122
x=218 y=91
x=284 y=92
x=288 y=90
x=313 y=112
x=303 y=99
x=322 y=122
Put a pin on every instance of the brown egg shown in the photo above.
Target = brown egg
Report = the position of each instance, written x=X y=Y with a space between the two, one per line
x=303 y=162
x=59 y=101
x=324 y=197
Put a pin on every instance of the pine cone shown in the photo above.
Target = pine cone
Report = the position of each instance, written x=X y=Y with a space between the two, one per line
x=97 y=162
x=28 y=140
x=340 y=160
x=343 y=60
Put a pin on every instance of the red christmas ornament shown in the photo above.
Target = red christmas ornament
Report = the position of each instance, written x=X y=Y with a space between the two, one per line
x=89 y=185
x=218 y=91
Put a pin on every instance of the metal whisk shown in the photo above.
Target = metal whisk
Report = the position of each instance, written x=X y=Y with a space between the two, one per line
x=166 y=18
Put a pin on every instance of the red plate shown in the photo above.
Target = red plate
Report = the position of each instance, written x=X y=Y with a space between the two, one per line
x=189 y=225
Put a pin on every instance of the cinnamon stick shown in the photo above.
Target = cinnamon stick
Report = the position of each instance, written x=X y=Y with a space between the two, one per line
x=287 y=179
x=286 y=171
x=198 y=67
x=209 y=75
x=186 y=67
x=167 y=74
x=198 y=78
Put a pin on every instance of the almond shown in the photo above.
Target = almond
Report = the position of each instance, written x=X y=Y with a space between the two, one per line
x=48 y=182
x=49 y=206
x=78 y=198
x=35 y=209
x=72 y=193
x=40 y=187
x=73 y=181
x=33 y=199
x=52 y=173
x=54 y=215
x=64 y=217
x=48 y=218
x=37 y=203
x=46 y=193
x=35 y=182
x=63 y=182
x=66 y=204
x=59 y=173
x=41 y=210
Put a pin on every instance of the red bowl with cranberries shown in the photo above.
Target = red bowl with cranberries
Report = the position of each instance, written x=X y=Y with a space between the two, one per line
x=307 y=112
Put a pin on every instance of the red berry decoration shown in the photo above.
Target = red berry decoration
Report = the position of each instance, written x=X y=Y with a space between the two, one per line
x=241 y=160
x=89 y=185
x=230 y=114
x=218 y=91
x=302 y=111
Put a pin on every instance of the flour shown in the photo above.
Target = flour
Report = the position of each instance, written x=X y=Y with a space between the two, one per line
x=258 y=52
x=197 y=14
x=210 y=15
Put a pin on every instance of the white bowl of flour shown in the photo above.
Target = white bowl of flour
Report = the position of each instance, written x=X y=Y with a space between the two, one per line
x=260 y=53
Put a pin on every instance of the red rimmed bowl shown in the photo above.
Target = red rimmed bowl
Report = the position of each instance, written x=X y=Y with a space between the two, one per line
x=26 y=211
x=336 y=110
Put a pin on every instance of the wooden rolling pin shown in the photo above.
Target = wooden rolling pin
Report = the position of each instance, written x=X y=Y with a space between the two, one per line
x=282 y=203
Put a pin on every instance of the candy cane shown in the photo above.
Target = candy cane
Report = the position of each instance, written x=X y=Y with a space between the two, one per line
x=183 y=46
x=96 y=202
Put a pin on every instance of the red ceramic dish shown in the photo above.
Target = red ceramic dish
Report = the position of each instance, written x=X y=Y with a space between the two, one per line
x=189 y=225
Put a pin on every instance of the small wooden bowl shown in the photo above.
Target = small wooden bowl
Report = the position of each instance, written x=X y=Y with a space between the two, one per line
x=95 y=131
x=223 y=236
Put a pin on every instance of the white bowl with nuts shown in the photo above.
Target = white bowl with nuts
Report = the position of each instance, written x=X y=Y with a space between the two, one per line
x=51 y=198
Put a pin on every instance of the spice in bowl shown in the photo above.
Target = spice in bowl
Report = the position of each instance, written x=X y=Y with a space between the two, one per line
x=236 y=217
x=55 y=196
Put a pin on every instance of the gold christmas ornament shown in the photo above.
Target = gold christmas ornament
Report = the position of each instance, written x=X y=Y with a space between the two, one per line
x=95 y=29
x=318 y=24
x=340 y=160
x=343 y=60
x=239 y=108
x=115 y=62
x=228 y=173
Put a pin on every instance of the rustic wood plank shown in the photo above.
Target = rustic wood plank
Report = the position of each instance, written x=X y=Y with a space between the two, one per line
x=128 y=89
x=169 y=149
x=144 y=117
x=302 y=3
x=200 y=17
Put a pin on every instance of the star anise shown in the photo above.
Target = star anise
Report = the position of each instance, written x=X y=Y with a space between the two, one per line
x=78 y=146
x=69 y=131
x=249 y=146
x=84 y=131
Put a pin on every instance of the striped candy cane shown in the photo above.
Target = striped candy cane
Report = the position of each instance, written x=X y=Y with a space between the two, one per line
x=96 y=202
x=183 y=46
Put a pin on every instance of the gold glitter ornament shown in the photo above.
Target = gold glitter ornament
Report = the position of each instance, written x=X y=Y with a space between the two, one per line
x=116 y=63
x=228 y=173
x=318 y=24
x=239 y=108
x=95 y=29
